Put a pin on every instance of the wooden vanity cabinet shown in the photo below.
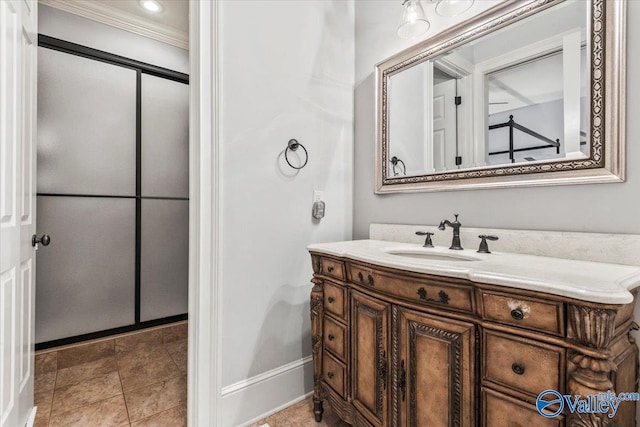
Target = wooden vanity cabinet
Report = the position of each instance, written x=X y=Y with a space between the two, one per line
x=403 y=349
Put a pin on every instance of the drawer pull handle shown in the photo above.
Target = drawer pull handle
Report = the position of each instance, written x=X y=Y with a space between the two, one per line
x=370 y=281
x=330 y=375
x=331 y=337
x=517 y=368
x=443 y=297
x=331 y=300
x=330 y=269
x=517 y=314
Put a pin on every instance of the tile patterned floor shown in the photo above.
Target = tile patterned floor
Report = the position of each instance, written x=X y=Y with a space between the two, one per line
x=135 y=380
x=301 y=415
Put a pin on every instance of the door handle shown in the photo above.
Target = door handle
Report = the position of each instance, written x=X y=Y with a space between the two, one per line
x=45 y=240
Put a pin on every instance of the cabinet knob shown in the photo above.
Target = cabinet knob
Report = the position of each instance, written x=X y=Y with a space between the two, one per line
x=331 y=300
x=517 y=314
x=331 y=337
x=330 y=375
x=330 y=269
x=517 y=368
x=360 y=276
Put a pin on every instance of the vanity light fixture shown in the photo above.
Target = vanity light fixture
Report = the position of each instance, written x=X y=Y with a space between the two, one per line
x=450 y=8
x=151 y=6
x=414 y=21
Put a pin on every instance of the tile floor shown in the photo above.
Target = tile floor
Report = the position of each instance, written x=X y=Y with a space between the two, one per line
x=134 y=380
x=301 y=415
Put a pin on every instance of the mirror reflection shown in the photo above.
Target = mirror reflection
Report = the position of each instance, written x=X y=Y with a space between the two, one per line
x=516 y=95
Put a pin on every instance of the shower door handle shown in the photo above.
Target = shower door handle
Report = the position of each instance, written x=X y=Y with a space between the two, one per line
x=45 y=240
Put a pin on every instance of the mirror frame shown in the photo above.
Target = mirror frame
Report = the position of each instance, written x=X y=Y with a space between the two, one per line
x=606 y=161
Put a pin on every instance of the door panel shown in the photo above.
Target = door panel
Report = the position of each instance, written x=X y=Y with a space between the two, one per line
x=444 y=125
x=87 y=126
x=370 y=356
x=435 y=382
x=18 y=25
x=164 y=274
x=86 y=276
x=165 y=137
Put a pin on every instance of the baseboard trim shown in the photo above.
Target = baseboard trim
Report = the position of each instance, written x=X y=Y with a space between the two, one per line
x=255 y=398
x=278 y=409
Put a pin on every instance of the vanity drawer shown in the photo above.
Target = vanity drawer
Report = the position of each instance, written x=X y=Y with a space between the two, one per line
x=334 y=373
x=332 y=267
x=421 y=291
x=499 y=410
x=529 y=313
x=522 y=364
x=334 y=337
x=335 y=300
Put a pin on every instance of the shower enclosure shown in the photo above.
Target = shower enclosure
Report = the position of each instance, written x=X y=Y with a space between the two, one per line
x=112 y=193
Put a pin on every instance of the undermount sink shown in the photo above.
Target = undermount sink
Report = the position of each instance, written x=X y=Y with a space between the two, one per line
x=431 y=254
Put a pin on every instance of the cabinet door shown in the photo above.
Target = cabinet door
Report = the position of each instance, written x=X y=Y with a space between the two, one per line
x=370 y=357
x=435 y=370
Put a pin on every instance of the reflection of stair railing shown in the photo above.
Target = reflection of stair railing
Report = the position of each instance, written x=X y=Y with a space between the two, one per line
x=511 y=124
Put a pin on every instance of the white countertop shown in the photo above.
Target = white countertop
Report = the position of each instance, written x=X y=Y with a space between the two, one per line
x=583 y=280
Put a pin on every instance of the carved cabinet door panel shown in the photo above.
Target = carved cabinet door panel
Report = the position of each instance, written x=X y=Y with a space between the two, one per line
x=370 y=357
x=434 y=370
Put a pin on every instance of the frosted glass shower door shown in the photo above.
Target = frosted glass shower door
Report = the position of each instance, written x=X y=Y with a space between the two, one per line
x=86 y=195
x=164 y=275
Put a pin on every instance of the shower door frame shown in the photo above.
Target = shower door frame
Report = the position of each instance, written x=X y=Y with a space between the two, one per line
x=140 y=68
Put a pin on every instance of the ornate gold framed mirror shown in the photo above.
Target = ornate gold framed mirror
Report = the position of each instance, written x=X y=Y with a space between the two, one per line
x=528 y=93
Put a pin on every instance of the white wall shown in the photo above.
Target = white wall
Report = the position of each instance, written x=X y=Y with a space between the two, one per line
x=287 y=72
x=612 y=208
x=75 y=29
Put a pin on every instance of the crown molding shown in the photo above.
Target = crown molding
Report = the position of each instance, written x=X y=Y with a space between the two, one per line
x=108 y=15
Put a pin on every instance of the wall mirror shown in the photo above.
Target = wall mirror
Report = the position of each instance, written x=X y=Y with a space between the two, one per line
x=527 y=93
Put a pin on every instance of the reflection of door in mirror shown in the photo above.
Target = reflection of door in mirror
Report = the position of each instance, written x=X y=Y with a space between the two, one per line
x=445 y=148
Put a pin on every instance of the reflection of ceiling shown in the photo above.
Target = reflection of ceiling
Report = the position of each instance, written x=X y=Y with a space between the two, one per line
x=532 y=83
x=535 y=82
x=556 y=20
x=169 y=26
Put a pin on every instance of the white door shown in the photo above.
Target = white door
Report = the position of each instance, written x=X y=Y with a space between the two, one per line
x=18 y=55
x=444 y=126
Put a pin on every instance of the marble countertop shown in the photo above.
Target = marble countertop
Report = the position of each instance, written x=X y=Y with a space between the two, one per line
x=582 y=280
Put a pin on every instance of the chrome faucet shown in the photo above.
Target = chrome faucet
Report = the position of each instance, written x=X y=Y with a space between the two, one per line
x=455 y=243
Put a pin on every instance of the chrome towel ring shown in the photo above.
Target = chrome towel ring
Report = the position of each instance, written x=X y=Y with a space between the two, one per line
x=293 y=145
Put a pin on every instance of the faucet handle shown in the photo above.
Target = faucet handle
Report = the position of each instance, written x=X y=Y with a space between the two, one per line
x=484 y=247
x=427 y=241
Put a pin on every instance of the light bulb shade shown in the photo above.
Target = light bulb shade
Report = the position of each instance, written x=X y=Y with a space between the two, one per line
x=449 y=8
x=414 y=21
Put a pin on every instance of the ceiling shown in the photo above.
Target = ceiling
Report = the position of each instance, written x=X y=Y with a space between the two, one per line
x=171 y=25
x=174 y=15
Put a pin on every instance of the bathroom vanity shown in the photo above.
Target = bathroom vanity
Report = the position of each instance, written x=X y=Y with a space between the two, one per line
x=410 y=336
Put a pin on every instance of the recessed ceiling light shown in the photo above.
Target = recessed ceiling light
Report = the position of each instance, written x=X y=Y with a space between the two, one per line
x=151 y=6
